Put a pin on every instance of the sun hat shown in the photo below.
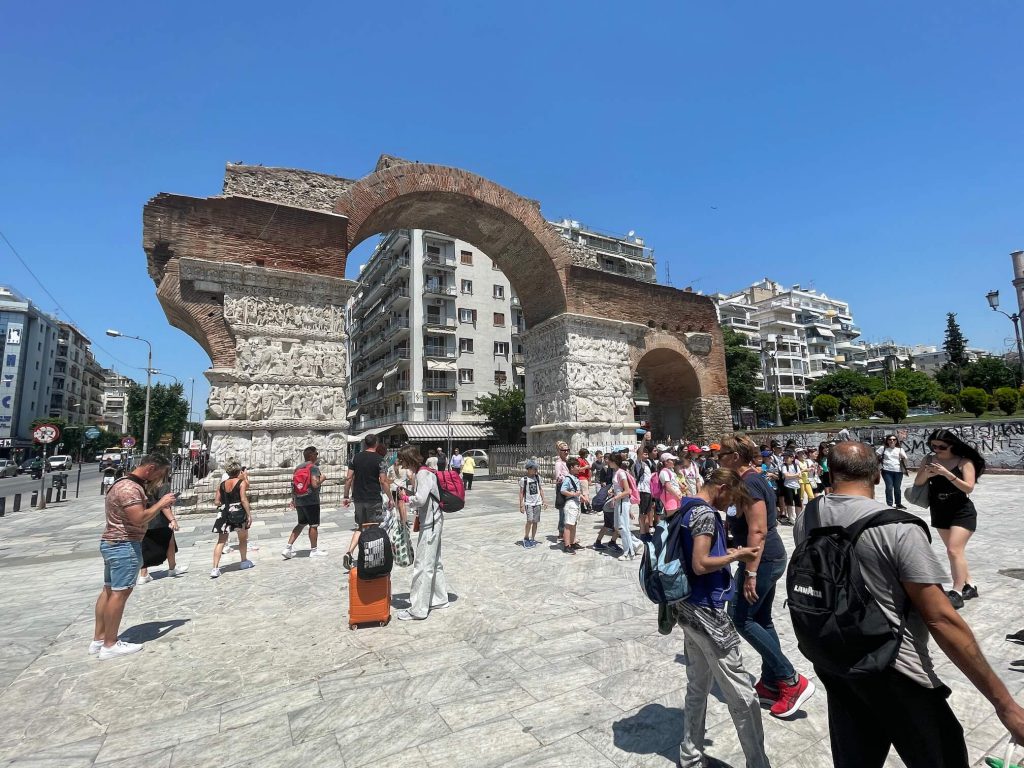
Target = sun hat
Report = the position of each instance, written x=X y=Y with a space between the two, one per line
x=668 y=457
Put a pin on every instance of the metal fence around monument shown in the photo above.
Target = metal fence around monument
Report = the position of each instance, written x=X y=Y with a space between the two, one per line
x=505 y=461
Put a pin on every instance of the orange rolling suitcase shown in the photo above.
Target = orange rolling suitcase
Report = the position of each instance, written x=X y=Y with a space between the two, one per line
x=369 y=600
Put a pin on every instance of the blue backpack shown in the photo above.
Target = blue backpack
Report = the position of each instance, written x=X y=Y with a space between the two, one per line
x=662 y=573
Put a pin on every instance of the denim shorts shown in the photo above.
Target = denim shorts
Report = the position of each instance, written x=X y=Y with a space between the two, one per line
x=121 y=563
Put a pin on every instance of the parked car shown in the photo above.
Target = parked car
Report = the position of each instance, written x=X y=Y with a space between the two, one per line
x=8 y=468
x=479 y=456
x=26 y=465
x=60 y=462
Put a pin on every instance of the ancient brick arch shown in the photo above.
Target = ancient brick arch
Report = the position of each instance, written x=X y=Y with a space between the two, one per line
x=505 y=226
x=255 y=275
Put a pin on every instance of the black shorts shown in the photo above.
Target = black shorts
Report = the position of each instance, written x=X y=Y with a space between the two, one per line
x=965 y=516
x=608 y=511
x=792 y=496
x=645 y=502
x=308 y=515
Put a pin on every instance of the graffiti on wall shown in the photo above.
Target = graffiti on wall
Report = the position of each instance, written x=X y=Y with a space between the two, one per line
x=1000 y=442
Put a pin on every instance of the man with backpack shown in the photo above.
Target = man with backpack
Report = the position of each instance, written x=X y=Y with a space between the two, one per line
x=366 y=480
x=880 y=585
x=306 y=482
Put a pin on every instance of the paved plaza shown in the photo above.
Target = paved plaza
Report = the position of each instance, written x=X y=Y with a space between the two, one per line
x=543 y=659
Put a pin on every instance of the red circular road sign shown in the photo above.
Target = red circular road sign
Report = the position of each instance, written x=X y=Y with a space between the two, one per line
x=46 y=433
x=127 y=441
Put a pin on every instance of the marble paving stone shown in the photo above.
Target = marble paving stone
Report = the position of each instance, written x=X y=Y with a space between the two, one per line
x=624 y=656
x=376 y=742
x=49 y=762
x=143 y=739
x=570 y=752
x=489 y=671
x=633 y=688
x=431 y=688
x=554 y=679
x=161 y=758
x=571 y=646
x=339 y=712
x=491 y=744
x=552 y=719
x=439 y=656
x=562 y=625
x=246 y=745
x=268 y=704
x=495 y=703
x=315 y=753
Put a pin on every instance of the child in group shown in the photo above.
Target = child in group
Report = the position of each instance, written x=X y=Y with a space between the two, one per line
x=572 y=490
x=531 y=499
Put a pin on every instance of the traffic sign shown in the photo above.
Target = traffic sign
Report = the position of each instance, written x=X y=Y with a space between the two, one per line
x=46 y=433
x=127 y=441
x=92 y=433
x=195 y=445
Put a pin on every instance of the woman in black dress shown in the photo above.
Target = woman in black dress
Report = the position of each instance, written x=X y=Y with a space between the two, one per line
x=951 y=470
x=158 y=545
x=235 y=515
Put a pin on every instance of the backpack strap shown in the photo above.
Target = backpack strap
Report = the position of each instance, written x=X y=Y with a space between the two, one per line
x=887 y=516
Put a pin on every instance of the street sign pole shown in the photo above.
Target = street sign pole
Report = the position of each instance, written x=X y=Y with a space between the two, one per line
x=41 y=503
x=45 y=434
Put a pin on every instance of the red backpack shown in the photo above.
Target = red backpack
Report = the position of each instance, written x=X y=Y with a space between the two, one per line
x=302 y=480
x=453 y=492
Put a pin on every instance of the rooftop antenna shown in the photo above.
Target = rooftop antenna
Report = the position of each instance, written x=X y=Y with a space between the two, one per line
x=668 y=273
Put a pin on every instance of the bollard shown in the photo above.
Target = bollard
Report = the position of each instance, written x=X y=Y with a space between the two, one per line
x=63 y=494
x=3 y=506
x=17 y=503
x=35 y=498
x=49 y=494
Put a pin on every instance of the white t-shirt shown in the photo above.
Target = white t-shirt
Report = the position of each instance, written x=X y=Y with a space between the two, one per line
x=531 y=490
x=643 y=485
x=891 y=459
x=668 y=478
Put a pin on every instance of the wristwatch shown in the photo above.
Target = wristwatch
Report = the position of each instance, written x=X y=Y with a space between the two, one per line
x=751 y=574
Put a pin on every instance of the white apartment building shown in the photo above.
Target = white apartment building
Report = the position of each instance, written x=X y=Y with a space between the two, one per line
x=114 y=416
x=627 y=255
x=930 y=359
x=434 y=325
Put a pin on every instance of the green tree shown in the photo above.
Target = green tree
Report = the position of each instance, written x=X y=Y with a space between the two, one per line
x=974 y=400
x=764 y=405
x=988 y=373
x=919 y=386
x=949 y=403
x=862 y=405
x=954 y=343
x=788 y=409
x=844 y=385
x=741 y=368
x=168 y=413
x=893 y=403
x=1007 y=399
x=505 y=413
x=825 y=407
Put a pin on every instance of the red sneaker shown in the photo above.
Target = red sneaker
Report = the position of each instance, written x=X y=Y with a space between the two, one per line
x=792 y=696
x=766 y=693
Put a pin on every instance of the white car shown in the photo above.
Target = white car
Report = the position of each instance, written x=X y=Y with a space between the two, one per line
x=58 y=462
x=8 y=468
x=479 y=456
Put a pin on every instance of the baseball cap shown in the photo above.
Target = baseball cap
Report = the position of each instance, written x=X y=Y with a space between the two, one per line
x=691 y=448
x=661 y=447
x=765 y=454
x=705 y=448
x=716 y=447
x=531 y=464
x=668 y=457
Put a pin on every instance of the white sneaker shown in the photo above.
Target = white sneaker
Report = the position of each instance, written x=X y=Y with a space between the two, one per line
x=287 y=553
x=145 y=579
x=215 y=573
x=227 y=549
x=177 y=571
x=94 y=647
x=120 y=648
x=625 y=556
x=317 y=553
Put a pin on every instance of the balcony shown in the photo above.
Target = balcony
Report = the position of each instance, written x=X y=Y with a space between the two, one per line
x=437 y=288
x=439 y=384
x=398 y=298
x=515 y=301
x=443 y=324
x=400 y=264
x=518 y=358
x=439 y=262
x=518 y=329
x=396 y=325
x=437 y=350
x=380 y=421
x=402 y=353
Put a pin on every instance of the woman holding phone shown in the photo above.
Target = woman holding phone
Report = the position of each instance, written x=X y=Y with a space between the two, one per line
x=950 y=472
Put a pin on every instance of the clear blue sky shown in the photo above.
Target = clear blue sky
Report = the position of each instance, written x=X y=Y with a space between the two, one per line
x=874 y=148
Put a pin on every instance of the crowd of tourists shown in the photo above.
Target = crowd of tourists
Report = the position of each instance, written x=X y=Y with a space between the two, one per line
x=726 y=502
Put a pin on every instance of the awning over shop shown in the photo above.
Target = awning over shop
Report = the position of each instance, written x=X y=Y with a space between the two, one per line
x=391 y=372
x=823 y=331
x=353 y=413
x=441 y=365
x=442 y=431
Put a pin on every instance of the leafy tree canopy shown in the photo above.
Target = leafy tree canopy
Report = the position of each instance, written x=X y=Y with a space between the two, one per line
x=844 y=385
x=954 y=342
x=825 y=407
x=974 y=400
x=168 y=413
x=741 y=368
x=1007 y=399
x=505 y=413
x=893 y=403
x=788 y=409
x=989 y=373
x=919 y=386
x=862 y=405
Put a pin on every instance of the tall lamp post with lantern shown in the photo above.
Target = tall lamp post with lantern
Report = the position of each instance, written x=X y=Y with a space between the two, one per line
x=993 y=301
x=149 y=383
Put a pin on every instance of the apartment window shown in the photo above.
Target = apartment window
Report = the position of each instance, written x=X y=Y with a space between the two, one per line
x=435 y=410
x=466 y=257
x=465 y=375
x=500 y=377
x=467 y=286
x=434 y=315
x=466 y=346
x=499 y=292
x=468 y=406
x=467 y=316
x=434 y=250
x=501 y=348
x=499 y=319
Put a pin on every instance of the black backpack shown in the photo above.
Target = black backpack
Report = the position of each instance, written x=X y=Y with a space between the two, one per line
x=839 y=625
x=376 y=557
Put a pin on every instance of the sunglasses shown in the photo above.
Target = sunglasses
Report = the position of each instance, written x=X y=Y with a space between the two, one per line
x=939 y=447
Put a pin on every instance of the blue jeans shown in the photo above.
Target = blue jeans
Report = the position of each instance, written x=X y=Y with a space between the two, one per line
x=121 y=563
x=754 y=622
x=893 y=487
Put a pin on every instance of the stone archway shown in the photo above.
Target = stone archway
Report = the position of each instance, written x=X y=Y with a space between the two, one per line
x=255 y=275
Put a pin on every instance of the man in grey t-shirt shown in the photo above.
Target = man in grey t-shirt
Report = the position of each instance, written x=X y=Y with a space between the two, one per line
x=904 y=707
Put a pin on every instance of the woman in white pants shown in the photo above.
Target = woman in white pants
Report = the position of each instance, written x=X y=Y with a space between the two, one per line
x=429 y=590
x=620 y=491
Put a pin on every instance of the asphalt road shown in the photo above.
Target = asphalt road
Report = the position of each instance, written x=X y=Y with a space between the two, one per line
x=24 y=484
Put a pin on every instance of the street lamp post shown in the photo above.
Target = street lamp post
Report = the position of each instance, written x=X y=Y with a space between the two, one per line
x=149 y=385
x=993 y=301
x=774 y=339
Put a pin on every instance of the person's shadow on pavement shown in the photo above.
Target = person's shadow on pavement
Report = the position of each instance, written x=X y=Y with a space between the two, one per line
x=151 y=630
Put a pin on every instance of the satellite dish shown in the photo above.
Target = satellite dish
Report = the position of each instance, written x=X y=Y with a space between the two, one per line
x=631 y=233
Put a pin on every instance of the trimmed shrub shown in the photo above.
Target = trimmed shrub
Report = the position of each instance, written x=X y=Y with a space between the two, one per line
x=1007 y=399
x=825 y=407
x=974 y=400
x=862 y=405
x=893 y=403
x=949 y=403
x=788 y=409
